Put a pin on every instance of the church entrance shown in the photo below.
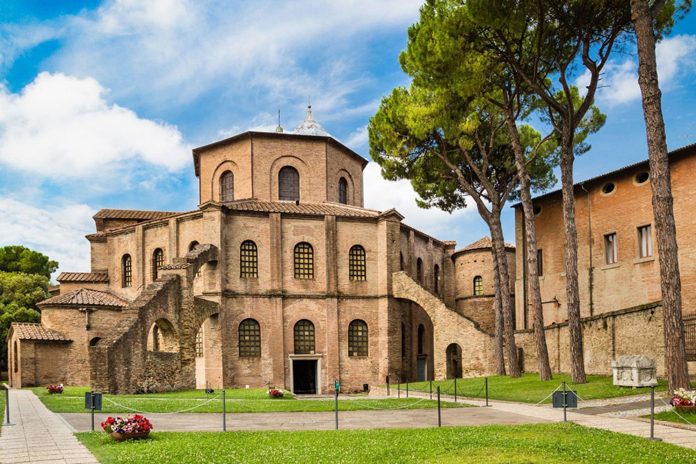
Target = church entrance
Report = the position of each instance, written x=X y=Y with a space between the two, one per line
x=304 y=376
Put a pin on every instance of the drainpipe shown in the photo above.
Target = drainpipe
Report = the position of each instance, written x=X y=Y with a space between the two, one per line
x=590 y=280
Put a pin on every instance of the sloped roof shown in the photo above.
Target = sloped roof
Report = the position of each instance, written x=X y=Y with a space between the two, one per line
x=132 y=214
x=315 y=209
x=92 y=277
x=482 y=244
x=35 y=331
x=310 y=127
x=86 y=297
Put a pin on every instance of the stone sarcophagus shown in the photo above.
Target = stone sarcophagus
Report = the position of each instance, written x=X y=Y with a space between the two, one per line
x=634 y=371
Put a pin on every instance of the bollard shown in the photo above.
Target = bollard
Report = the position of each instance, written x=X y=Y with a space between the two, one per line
x=407 y=389
x=224 y=412
x=336 y=409
x=7 y=406
x=652 y=414
x=565 y=419
x=431 y=389
x=455 y=389
x=91 y=408
x=439 y=416
x=388 y=393
x=487 y=405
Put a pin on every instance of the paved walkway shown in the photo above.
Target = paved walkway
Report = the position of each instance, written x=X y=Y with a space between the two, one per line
x=38 y=435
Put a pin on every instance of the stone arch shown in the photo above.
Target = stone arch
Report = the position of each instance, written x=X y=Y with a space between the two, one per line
x=162 y=337
x=292 y=161
x=343 y=173
x=454 y=361
x=208 y=356
x=214 y=184
x=94 y=341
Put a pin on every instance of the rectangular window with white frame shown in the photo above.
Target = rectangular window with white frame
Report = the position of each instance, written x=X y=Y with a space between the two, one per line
x=611 y=249
x=645 y=248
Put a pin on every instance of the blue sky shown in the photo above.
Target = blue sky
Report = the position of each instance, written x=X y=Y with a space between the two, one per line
x=102 y=101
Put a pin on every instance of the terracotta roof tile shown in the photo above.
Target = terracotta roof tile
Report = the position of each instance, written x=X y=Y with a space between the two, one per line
x=86 y=297
x=482 y=243
x=93 y=277
x=35 y=331
x=318 y=209
x=132 y=214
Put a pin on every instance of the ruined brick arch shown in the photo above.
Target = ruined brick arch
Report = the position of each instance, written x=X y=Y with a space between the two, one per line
x=162 y=336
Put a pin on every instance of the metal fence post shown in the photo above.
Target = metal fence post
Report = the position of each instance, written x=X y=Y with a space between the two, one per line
x=487 y=392
x=565 y=404
x=652 y=414
x=224 y=412
x=407 y=389
x=455 y=389
x=439 y=416
x=431 y=389
x=336 y=408
x=388 y=392
x=398 y=389
x=91 y=408
x=7 y=406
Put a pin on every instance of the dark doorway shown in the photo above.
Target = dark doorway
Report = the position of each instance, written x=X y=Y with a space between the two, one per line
x=454 y=361
x=304 y=377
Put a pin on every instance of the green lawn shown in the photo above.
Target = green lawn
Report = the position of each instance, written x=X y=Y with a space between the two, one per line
x=2 y=406
x=237 y=400
x=541 y=443
x=528 y=388
x=672 y=416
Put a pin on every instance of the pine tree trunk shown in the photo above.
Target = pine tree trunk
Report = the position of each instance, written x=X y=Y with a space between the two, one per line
x=665 y=228
x=532 y=257
x=499 y=329
x=504 y=288
x=577 y=360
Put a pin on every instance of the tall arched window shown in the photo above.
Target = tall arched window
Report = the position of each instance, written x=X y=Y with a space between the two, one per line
x=304 y=337
x=436 y=279
x=478 y=285
x=193 y=245
x=126 y=271
x=289 y=184
x=419 y=270
x=248 y=260
x=304 y=261
x=157 y=262
x=227 y=186
x=357 y=338
x=343 y=191
x=249 y=339
x=421 y=338
x=357 y=266
x=15 y=355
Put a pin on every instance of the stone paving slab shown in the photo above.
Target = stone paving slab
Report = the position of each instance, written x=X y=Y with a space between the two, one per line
x=38 y=435
x=366 y=419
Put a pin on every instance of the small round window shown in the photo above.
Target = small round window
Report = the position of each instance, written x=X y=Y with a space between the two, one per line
x=537 y=210
x=608 y=188
x=642 y=177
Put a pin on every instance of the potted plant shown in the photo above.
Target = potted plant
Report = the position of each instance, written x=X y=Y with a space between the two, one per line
x=275 y=393
x=120 y=429
x=55 y=389
x=684 y=400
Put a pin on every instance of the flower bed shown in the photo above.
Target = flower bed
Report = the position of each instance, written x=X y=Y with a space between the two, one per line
x=55 y=389
x=135 y=426
x=275 y=393
x=684 y=400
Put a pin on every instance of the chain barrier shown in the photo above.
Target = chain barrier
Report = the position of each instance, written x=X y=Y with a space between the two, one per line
x=109 y=400
x=677 y=412
x=406 y=406
x=550 y=394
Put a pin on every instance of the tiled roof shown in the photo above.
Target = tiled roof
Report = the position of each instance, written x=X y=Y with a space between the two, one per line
x=35 y=331
x=132 y=214
x=318 y=209
x=93 y=277
x=482 y=243
x=86 y=297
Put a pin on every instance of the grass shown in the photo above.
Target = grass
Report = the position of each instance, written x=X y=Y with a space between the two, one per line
x=529 y=389
x=2 y=406
x=540 y=443
x=237 y=400
x=672 y=416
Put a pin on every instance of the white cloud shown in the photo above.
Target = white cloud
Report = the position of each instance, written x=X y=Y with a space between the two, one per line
x=358 y=138
x=676 y=62
x=61 y=127
x=381 y=194
x=56 y=230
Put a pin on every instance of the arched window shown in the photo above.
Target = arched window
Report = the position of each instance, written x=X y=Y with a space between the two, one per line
x=289 y=184
x=419 y=270
x=199 y=343
x=15 y=354
x=157 y=262
x=304 y=337
x=249 y=339
x=94 y=341
x=478 y=285
x=436 y=279
x=357 y=267
x=126 y=271
x=421 y=338
x=248 y=260
x=227 y=186
x=343 y=191
x=304 y=261
x=357 y=338
x=193 y=245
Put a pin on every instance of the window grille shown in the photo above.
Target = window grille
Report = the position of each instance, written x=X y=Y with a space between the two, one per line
x=690 y=339
x=249 y=339
x=478 y=286
x=343 y=191
x=304 y=261
x=436 y=279
x=199 y=343
x=304 y=337
x=227 y=186
x=289 y=184
x=248 y=260
x=157 y=262
x=357 y=266
x=357 y=338
x=126 y=271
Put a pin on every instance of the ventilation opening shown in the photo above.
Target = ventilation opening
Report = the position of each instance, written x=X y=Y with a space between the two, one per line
x=608 y=188
x=642 y=177
x=537 y=210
